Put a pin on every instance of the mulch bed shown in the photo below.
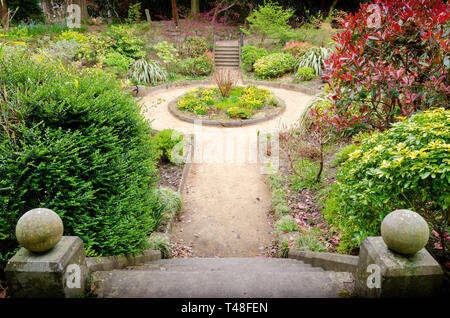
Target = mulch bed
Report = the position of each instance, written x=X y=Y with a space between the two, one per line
x=304 y=204
x=170 y=175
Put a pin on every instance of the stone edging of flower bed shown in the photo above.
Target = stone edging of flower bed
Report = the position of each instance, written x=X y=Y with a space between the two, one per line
x=173 y=109
x=108 y=263
x=141 y=90
x=292 y=87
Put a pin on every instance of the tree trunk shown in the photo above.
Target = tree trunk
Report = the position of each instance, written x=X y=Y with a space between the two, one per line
x=319 y=173
x=4 y=16
x=175 y=12
x=195 y=7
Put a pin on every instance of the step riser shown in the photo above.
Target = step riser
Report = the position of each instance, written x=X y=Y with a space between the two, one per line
x=139 y=284
x=227 y=59
x=235 y=269
x=236 y=57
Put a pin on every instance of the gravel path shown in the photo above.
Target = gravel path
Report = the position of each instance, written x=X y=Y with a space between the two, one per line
x=225 y=198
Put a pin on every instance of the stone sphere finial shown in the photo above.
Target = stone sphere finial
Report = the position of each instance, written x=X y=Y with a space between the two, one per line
x=39 y=230
x=405 y=231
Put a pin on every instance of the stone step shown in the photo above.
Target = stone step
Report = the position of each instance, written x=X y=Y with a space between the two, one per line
x=227 y=61
x=227 y=58
x=233 y=56
x=226 y=50
x=223 y=284
x=236 y=265
x=227 y=64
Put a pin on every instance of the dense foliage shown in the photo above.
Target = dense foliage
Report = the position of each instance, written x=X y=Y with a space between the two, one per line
x=194 y=46
x=74 y=143
x=269 y=21
x=297 y=48
x=305 y=73
x=124 y=42
x=197 y=66
x=274 y=65
x=390 y=60
x=250 y=54
x=407 y=166
x=168 y=146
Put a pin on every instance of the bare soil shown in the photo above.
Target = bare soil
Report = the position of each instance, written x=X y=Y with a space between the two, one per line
x=170 y=175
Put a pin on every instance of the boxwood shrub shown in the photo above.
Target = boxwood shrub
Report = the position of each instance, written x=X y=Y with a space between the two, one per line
x=274 y=65
x=405 y=167
x=74 y=143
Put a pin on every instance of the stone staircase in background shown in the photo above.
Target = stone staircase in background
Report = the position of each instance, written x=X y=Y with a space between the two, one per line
x=227 y=55
x=221 y=278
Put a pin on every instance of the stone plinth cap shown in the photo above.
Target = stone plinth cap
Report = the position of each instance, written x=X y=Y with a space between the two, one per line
x=54 y=260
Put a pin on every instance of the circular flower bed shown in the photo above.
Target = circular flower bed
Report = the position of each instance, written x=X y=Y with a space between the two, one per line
x=216 y=106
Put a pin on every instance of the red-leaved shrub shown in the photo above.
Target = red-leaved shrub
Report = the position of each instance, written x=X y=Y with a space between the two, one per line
x=392 y=58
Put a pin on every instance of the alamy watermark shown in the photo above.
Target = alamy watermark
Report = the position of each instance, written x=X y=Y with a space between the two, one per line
x=374 y=279
x=73 y=20
x=238 y=146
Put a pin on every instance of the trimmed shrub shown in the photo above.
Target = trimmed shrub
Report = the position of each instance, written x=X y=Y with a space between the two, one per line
x=250 y=54
x=74 y=143
x=164 y=143
x=197 y=66
x=274 y=65
x=405 y=167
x=305 y=73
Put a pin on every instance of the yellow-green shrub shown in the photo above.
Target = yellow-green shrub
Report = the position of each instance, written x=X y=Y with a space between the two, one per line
x=407 y=166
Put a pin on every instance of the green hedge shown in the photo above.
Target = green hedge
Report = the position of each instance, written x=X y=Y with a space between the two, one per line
x=74 y=143
x=407 y=166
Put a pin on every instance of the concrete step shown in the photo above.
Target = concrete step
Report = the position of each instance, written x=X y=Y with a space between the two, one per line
x=223 y=284
x=236 y=265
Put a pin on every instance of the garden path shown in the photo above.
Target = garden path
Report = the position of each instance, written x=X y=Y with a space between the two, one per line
x=225 y=197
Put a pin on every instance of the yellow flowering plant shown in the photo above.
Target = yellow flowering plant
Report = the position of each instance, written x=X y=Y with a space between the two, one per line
x=406 y=166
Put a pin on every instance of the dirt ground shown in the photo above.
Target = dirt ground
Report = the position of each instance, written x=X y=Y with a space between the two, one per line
x=226 y=200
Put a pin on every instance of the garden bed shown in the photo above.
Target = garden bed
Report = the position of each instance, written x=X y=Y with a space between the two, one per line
x=170 y=175
x=243 y=106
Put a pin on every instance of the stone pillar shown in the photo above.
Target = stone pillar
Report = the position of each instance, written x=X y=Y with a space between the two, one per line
x=397 y=264
x=48 y=264
x=60 y=272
